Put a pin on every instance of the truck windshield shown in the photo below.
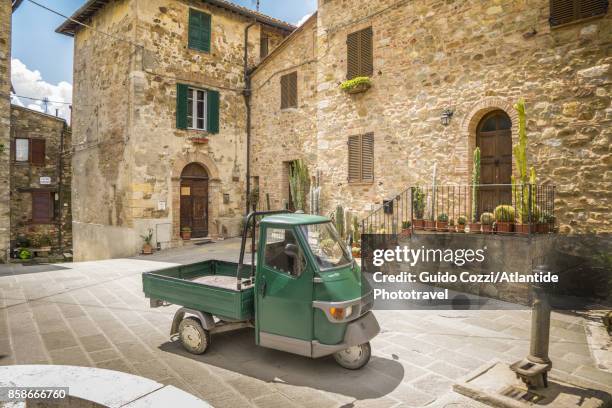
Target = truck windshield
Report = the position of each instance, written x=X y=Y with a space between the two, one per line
x=329 y=250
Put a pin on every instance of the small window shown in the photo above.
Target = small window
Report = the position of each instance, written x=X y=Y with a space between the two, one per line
x=42 y=207
x=360 y=56
x=282 y=252
x=361 y=158
x=264 y=44
x=289 y=92
x=567 y=11
x=199 y=30
x=197 y=108
x=22 y=150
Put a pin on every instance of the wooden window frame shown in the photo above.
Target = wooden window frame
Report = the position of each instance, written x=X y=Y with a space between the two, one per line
x=50 y=219
x=365 y=176
x=212 y=109
x=360 y=53
x=576 y=16
x=191 y=95
x=289 y=91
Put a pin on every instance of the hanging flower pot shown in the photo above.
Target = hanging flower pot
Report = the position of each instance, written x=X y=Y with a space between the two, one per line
x=356 y=85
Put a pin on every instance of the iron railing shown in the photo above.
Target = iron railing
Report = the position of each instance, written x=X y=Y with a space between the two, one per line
x=485 y=208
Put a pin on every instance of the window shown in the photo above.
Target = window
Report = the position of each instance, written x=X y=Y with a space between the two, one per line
x=282 y=252
x=325 y=243
x=197 y=108
x=264 y=44
x=199 y=30
x=289 y=94
x=42 y=207
x=359 y=54
x=361 y=158
x=29 y=150
x=567 y=11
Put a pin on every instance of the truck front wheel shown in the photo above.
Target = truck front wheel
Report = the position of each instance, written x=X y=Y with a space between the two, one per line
x=353 y=358
x=194 y=337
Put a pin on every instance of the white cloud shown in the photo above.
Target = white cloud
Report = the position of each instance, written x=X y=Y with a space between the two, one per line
x=303 y=19
x=31 y=84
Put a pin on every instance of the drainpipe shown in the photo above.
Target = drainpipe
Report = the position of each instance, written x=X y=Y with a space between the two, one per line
x=247 y=101
x=60 y=190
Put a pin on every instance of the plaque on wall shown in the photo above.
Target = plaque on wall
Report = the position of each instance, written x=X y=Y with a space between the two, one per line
x=45 y=180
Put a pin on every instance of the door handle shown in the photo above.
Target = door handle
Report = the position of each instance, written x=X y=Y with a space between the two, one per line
x=262 y=289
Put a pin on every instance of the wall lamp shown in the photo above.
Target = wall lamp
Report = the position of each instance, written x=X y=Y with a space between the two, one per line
x=446 y=116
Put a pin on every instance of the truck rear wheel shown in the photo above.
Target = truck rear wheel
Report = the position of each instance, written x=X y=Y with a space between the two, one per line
x=194 y=337
x=353 y=358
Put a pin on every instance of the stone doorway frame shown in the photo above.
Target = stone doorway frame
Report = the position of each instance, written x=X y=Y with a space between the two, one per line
x=214 y=192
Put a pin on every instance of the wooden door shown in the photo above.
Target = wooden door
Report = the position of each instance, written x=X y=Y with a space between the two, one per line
x=194 y=200
x=494 y=137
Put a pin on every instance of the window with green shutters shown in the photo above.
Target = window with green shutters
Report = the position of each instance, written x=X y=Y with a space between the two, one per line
x=197 y=108
x=199 y=30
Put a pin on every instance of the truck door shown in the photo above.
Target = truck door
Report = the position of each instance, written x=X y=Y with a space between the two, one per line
x=283 y=292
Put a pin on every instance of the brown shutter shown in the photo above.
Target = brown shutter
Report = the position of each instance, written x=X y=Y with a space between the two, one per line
x=37 y=151
x=367 y=157
x=42 y=207
x=284 y=91
x=360 y=55
x=352 y=57
x=289 y=91
x=367 y=54
x=590 y=8
x=354 y=159
x=13 y=149
x=566 y=11
x=263 y=45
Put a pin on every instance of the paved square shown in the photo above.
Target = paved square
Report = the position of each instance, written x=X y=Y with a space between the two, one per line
x=95 y=314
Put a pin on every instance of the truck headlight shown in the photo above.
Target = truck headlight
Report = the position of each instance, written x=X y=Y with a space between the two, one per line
x=340 y=313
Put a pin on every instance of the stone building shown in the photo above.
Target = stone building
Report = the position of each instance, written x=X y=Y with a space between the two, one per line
x=474 y=59
x=159 y=119
x=40 y=181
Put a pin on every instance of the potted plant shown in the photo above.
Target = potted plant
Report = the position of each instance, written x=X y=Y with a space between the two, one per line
x=418 y=207
x=147 y=248
x=25 y=254
x=356 y=234
x=406 y=230
x=461 y=222
x=356 y=251
x=546 y=223
x=356 y=85
x=504 y=218
x=442 y=222
x=451 y=225
x=186 y=233
x=429 y=224
x=486 y=220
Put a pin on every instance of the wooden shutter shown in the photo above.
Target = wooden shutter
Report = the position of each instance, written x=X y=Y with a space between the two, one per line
x=354 y=159
x=13 y=147
x=199 y=30
x=361 y=158
x=289 y=92
x=212 y=112
x=566 y=11
x=37 y=152
x=367 y=157
x=42 y=207
x=360 y=54
x=181 y=106
x=263 y=45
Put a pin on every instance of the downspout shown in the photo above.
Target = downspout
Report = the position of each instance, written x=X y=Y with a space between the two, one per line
x=247 y=101
x=60 y=190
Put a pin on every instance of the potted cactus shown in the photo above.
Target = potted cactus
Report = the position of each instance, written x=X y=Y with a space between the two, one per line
x=486 y=220
x=406 y=228
x=442 y=222
x=461 y=222
x=504 y=218
x=418 y=208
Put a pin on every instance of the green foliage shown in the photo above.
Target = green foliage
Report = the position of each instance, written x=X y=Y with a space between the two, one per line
x=340 y=220
x=406 y=224
x=520 y=187
x=418 y=203
x=355 y=82
x=148 y=237
x=462 y=220
x=475 y=182
x=356 y=232
x=487 y=218
x=253 y=198
x=504 y=213
x=451 y=222
x=25 y=254
x=299 y=180
x=186 y=229
x=22 y=241
x=443 y=217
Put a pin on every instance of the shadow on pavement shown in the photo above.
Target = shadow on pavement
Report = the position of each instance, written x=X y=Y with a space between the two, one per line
x=22 y=269
x=236 y=351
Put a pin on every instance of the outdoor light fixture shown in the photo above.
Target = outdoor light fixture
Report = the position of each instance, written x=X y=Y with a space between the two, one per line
x=447 y=114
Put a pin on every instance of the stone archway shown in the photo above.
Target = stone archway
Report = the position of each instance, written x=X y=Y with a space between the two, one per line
x=214 y=191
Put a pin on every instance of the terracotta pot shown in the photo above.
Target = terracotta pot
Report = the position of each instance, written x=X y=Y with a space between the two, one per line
x=186 y=235
x=504 y=226
x=474 y=227
x=487 y=228
x=524 y=228
x=147 y=249
x=430 y=225
x=543 y=228
x=441 y=225
x=418 y=224
x=407 y=231
x=460 y=228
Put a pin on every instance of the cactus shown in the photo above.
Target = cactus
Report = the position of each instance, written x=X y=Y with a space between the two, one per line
x=487 y=218
x=418 y=203
x=524 y=178
x=475 y=182
x=462 y=220
x=356 y=233
x=443 y=217
x=504 y=213
x=299 y=183
x=340 y=220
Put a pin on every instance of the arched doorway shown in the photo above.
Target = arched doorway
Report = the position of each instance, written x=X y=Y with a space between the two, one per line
x=194 y=200
x=494 y=138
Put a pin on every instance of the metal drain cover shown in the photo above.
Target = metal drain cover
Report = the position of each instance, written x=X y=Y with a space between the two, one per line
x=521 y=394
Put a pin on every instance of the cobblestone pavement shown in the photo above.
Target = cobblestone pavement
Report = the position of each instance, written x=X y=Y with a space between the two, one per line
x=95 y=314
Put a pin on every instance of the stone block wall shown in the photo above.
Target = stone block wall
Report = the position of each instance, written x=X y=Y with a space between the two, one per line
x=5 y=122
x=26 y=177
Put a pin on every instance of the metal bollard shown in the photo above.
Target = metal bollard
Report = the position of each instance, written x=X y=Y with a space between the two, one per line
x=533 y=370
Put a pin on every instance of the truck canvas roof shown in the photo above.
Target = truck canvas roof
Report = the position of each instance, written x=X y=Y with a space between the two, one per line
x=294 y=219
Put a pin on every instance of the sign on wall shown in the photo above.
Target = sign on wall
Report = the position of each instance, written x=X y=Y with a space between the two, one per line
x=45 y=180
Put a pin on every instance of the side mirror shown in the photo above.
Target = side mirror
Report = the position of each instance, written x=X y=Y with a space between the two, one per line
x=291 y=250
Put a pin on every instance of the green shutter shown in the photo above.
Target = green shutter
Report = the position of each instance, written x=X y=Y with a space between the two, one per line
x=181 y=106
x=212 y=103
x=199 y=30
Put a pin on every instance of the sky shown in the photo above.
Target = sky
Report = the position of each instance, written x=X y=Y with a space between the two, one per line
x=42 y=59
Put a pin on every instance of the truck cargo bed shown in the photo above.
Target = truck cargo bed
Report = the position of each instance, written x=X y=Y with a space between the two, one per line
x=209 y=286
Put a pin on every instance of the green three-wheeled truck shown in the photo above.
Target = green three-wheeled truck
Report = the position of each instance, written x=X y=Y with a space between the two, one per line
x=304 y=293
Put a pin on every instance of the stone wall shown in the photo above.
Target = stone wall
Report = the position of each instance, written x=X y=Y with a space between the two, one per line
x=26 y=177
x=5 y=121
x=471 y=57
x=282 y=135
